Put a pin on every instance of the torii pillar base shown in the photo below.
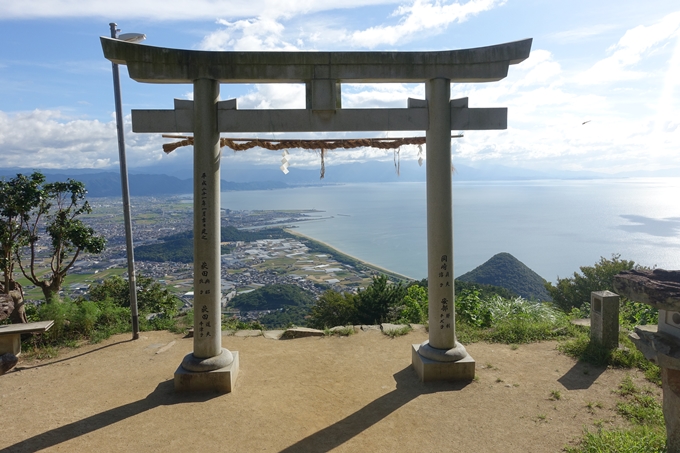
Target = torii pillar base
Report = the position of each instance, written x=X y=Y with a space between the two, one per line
x=221 y=380
x=429 y=370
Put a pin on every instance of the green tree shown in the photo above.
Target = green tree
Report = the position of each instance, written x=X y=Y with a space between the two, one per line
x=374 y=303
x=18 y=197
x=151 y=296
x=414 y=306
x=574 y=292
x=56 y=215
x=472 y=309
x=333 y=309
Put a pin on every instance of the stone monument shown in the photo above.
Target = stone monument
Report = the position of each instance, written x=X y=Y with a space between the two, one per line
x=604 y=318
x=323 y=73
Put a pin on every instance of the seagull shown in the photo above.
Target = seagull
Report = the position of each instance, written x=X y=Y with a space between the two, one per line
x=585 y=122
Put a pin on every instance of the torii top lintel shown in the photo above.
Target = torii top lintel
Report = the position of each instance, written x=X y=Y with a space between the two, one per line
x=162 y=65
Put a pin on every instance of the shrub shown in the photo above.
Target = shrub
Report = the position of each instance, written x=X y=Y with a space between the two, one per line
x=333 y=309
x=574 y=292
x=413 y=308
x=471 y=309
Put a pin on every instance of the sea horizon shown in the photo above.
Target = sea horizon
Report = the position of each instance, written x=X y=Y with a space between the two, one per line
x=552 y=226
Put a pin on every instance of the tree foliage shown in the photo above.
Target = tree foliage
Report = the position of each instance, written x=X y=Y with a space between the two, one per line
x=574 y=292
x=413 y=307
x=55 y=217
x=151 y=296
x=285 y=317
x=333 y=309
x=381 y=301
x=374 y=303
x=18 y=197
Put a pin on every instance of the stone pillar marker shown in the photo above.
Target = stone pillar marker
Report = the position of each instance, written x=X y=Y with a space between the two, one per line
x=604 y=318
x=209 y=367
x=442 y=357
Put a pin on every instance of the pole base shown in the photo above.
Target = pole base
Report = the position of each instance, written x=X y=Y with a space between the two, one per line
x=221 y=380
x=430 y=370
x=456 y=353
x=221 y=360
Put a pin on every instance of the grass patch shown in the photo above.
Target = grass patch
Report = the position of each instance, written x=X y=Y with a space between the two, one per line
x=510 y=321
x=640 y=439
x=398 y=332
x=627 y=356
x=640 y=406
x=648 y=435
x=520 y=330
x=343 y=331
x=515 y=331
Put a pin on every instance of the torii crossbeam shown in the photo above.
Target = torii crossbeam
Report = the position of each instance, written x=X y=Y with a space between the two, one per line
x=441 y=357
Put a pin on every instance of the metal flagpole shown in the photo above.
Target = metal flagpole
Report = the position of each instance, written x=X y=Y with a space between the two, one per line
x=126 y=194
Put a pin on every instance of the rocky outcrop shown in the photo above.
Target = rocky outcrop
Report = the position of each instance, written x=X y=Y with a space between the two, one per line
x=659 y=288
x=301 y=332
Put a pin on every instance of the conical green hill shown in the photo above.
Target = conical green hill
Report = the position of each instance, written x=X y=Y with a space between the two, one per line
x=506 y=271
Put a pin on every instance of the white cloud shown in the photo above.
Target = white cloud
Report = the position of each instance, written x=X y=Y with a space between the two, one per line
x=380 y=95
x=267 y=32
x=274 y=96
x=581 y=34
x=48 y=139
x=635 y=44
x=261 y=33
x=171 y=10
x=421 y=16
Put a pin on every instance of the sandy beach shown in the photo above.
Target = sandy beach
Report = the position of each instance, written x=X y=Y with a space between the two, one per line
x=379 y=269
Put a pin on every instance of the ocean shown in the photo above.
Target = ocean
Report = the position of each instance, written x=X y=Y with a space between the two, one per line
x=552 y=226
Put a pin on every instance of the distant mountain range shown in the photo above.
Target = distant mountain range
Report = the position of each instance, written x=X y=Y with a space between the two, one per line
x=173 y=179
x=508 y=272
x=107 y=184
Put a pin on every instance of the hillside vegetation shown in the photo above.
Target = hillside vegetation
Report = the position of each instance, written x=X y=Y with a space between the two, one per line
x=273 y=297
x=508 y=272
x=291 y=304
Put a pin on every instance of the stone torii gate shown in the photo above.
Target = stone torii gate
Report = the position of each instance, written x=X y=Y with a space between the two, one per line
x=441 y=357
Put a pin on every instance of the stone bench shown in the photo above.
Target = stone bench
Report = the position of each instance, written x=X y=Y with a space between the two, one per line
x=10 y=335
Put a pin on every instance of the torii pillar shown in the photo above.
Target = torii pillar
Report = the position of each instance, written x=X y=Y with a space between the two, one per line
x=439 y=358
x=210 y=366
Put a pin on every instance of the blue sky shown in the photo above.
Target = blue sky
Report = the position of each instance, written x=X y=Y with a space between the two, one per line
x=614 y=63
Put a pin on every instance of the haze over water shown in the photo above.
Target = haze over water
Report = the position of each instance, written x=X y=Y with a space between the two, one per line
x=552 y=226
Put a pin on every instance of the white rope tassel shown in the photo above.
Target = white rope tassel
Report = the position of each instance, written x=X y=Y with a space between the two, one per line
x=284 y=162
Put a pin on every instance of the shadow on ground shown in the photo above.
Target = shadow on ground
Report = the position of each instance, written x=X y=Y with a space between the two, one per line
x=163 y=395
x=581 y=376
x=20 y=368
x=408 y=388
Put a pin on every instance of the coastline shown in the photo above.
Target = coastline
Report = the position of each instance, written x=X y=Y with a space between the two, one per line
x=372 y=266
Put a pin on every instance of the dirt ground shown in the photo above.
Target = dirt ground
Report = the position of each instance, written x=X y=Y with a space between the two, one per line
x=341 y=394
